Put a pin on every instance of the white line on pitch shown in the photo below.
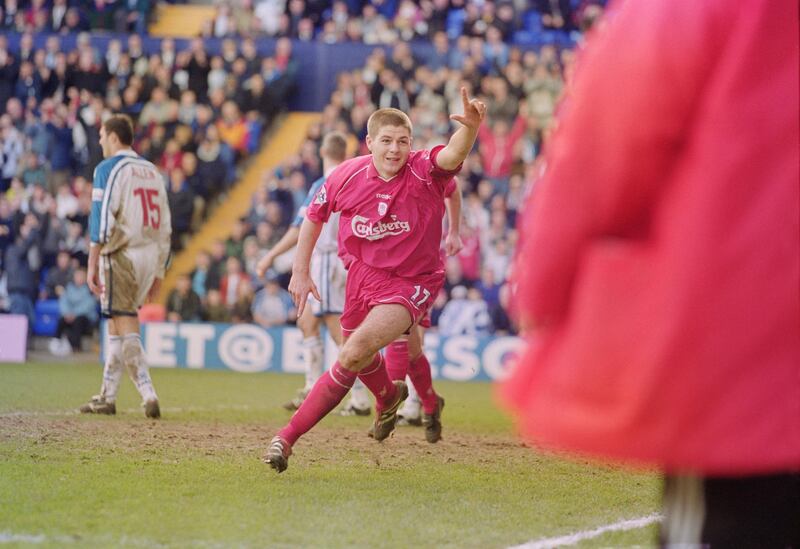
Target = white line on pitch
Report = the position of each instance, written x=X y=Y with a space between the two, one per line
x=577 y=537
x=101 y=539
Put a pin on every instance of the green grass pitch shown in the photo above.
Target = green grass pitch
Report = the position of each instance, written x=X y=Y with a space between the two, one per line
x=195 y=478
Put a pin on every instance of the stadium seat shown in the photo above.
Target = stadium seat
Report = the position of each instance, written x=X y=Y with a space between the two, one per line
x=455 y=23
x=533 y=21
x=42 y=278
x=46 y=317
x=525 y=38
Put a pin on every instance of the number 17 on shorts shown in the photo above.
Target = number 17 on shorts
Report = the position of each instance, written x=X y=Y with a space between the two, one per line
x=421 y=295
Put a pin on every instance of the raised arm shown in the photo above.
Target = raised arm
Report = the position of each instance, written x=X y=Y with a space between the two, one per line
x=452 y=242
x=463 y=139
x=301 y=284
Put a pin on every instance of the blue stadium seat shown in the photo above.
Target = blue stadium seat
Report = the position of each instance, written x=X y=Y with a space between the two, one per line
x=42 y=278
x=46 y=317
x=525 y=38
x=533 y=21
x=455 y=23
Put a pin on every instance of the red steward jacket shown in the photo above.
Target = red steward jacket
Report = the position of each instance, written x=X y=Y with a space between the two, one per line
x=660 y=261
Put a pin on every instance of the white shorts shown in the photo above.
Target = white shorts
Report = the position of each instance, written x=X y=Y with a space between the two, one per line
x=127 y=275
x=330 y=277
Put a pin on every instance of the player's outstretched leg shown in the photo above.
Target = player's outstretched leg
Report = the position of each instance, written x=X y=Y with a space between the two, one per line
x=105 y=402
x=397 y=358
x=133 y=358
x=327 y=393
x=389 y=395
x=419 y=371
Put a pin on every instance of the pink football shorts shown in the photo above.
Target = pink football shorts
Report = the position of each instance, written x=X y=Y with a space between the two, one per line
x=368 y=287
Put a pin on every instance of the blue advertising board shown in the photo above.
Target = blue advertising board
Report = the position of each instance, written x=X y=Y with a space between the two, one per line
x=251 y=348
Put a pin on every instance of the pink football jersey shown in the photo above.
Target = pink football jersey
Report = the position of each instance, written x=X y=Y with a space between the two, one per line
x=395 y=225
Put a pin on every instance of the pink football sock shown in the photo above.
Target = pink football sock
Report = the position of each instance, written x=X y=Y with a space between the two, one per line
x=419 y=370
x=396 y=356
x=377 y=381
x=328 y=391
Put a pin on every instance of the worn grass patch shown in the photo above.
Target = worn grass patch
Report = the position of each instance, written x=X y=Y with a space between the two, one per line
x=195 y=479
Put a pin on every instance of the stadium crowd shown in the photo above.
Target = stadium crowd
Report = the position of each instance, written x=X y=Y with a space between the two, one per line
x=520 y=89
x=196 y=115
x=70 y=16
x=390 y=21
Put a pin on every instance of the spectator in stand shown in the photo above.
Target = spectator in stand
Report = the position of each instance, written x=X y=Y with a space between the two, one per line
x=218 y=264
x=233 y=277
x=6 y=227
x=183 y=304
x=501 y=105
x=215 y=310
x=56 y=19
x=21 y=265
x=469 y=258
x=160 y=109
x=212 y=167
x=497 y=257
x=234 y=245
x=251 y=255
x=29 y=83
x=34 y=173
x=12 y=149
x=497 y=147
x=200 y=274
x=465 y=314
x=242 y=310
x=501 y=323
x=172 y=156
x=58 y=277
x=181 y=207
x=77 y=242
x=273 y=306
x=78 y=309
x=556 y=14
x=233 y=129
x=489 y=287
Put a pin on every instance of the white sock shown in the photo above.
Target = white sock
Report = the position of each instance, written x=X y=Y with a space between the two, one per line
x=312 y=351
x=112 y=369
x=359 y=396
x=412 y=406
x=133 y=358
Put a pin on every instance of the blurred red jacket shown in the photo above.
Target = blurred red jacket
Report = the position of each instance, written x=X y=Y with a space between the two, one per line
x=660 y=260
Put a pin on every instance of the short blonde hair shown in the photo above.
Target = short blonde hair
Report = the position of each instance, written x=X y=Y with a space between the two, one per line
x=387 y=117
x=334 y=146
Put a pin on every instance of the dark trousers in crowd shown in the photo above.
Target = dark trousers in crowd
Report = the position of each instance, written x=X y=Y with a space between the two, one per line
x=74 y=330
x=749 y=511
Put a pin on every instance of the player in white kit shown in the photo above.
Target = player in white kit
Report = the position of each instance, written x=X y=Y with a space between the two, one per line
x=329 y=274
x=130 y=227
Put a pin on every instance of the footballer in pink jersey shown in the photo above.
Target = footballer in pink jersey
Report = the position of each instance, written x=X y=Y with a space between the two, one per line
x=405 y=356
x=391 y=204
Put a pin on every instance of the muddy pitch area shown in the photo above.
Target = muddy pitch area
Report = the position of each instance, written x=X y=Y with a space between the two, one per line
x=171 y=439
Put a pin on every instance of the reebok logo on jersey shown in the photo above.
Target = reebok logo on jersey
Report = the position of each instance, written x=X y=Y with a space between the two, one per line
x=362 y=228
